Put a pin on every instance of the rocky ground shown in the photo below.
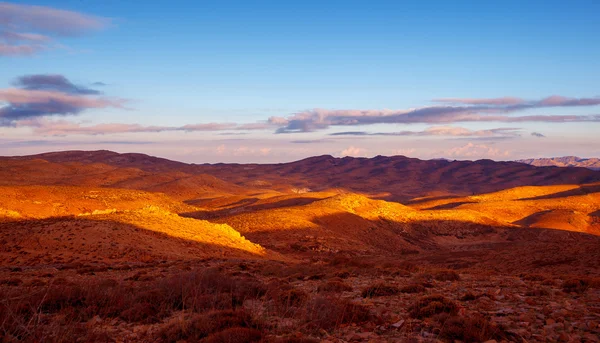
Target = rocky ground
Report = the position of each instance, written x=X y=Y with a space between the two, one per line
x=334 y=299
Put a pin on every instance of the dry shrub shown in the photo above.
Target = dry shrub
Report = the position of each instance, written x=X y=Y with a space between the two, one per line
x=11 y=282
x=469 y=296
x=413 y=288
x=538 y=292
x=471 y=329
x=344 y=274
x=548 y=282
x=594 y=282
x=327 y=312
x=292 y=340
x=576 y=285
x=432 y=305
x=334 y=285
x=380 y=290
x=533 y=277
x=295 y=271
x=446 y=275
x=234 y=335
x=284 y=300
x=199 y=326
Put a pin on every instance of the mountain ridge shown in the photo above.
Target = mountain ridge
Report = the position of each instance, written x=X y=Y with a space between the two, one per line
x=396 y=178
x=564 y=161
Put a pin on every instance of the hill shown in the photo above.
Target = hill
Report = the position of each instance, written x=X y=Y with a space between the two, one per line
x=566 y=161
x=396 y=178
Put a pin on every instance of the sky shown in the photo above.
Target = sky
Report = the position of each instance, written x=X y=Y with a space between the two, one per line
x=277 y=81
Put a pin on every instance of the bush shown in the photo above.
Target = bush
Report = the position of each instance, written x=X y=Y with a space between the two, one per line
x=469 y=296
x=380 y=290
x=471 y=329
x=326 y=312
x=413 y=288
x=432 y=305
x=576 y=285
x=234 y=335
x=199 y=326
x=283 y=293
x=538 y=292
x=446 y=275
x=334 y=285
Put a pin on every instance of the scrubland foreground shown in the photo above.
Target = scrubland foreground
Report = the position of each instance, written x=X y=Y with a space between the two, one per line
x=92 y=251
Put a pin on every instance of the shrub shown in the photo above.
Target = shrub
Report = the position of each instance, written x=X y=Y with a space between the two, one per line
x=326 y=312
x=234 y=335
x=533 y=277
x=446 y=275
x=380 y=290
x=469 y=296
x=471 y=329
x=576 y=285
x=199 y=326
x=334 y=285
x=538 y=292
x=413 y=288
x=432 y=305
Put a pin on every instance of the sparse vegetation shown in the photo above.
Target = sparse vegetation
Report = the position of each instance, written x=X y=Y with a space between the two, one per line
x=431 y=305
x=380 y=290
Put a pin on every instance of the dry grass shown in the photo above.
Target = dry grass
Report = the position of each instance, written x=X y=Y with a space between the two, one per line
x=413 y=288
x=468 y=329
x=200 y=326
x=334 y=285
x=380 y=290
x=328 y=312
x=431 y=305
x=446 y=275
x=576 y=285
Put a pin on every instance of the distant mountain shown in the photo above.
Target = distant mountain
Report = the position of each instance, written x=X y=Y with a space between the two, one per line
x=397 y=178
x=566 y=161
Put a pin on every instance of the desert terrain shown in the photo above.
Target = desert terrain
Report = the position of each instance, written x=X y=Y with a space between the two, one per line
x=99 y=246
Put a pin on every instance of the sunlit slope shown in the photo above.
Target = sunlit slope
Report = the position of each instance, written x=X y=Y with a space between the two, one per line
x=568 y=207
x=54 y=201
x=352 y=222
x=60 y=224
x=142 y=235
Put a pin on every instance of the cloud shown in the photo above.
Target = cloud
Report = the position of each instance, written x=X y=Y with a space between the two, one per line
x=44 y=126
x=403 y=152
x=27 y=30
x=50 y=82
x=537 y=134
x=48 y=95
x=353 y=152
x=440 y=131
x=471 y=151
x=455 y=110
x=473 y=101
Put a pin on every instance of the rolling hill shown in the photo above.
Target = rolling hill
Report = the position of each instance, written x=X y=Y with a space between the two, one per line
x=566 y=161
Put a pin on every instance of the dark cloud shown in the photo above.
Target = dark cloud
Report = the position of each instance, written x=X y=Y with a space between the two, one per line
x=50 y=82
x=537 y=134
x=48 y=95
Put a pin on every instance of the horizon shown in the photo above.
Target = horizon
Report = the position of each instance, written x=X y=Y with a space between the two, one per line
x=297 y=160
x=272 y=83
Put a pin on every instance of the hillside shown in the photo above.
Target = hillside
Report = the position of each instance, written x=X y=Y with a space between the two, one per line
x=566 y=161
x=99 y=246
x=396 y=178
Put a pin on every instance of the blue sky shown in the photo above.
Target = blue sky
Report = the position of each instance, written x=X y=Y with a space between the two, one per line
x=166 y=65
